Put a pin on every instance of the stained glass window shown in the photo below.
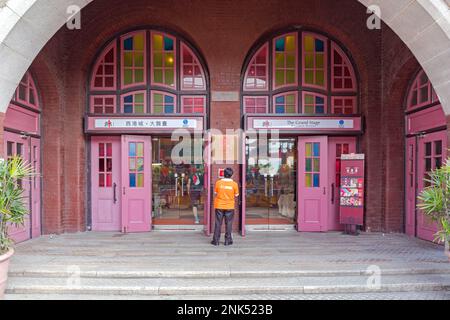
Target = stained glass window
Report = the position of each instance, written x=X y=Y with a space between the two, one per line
x=133 y=59
x=421 y=92
x=163 y=103
x=192 y=75
x=104 y=76
x=343 y=105
x=314 y=103
x=312 y=165
x=105 y=165
x=342 y=74
x=257 y=75
x=26 y=92
x=285 y=61
x=136 y=164
x=103 y=104
x=163 y=58
x=134 y=103
x=256 y=104
x=193 y=104
x=314 y=61
x=286 y=103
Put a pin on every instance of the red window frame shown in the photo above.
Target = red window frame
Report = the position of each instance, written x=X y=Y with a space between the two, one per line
x=193 y=105
x=258 y=65
x=27 y=82
x=194 y=64
x=101 y=63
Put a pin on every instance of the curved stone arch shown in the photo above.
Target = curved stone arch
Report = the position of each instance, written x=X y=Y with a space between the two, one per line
x=27 y=25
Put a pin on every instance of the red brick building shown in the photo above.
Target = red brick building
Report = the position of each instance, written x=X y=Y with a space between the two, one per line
x=222 y=63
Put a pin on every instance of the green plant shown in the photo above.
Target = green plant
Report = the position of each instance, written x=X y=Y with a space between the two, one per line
x=13 y=173
x=435 y=200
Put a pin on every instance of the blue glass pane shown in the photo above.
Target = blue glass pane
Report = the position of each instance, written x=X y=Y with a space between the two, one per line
x=316 y=180
x=132 y=180
x=169 y=109
x=128 y=108
x=279 y=44
x=320 y=46
x=128 y=44
x=132 y=151
x=279 y=109
x=319 y=100
x=320 y=109
x=279 y=100
x=168 y=44
x=168 y=99
x=316 y=150
x=128 y=99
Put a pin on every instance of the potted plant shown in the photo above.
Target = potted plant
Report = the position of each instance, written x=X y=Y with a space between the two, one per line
x=435 y=203
x=13 y=173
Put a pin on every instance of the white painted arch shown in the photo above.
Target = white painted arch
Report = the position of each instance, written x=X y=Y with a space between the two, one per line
x=27 y=25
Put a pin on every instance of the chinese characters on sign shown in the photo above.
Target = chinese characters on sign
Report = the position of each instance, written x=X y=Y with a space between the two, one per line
x=145 y=123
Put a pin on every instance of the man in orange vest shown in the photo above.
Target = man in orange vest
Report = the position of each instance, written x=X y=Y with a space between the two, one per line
x=226 y=190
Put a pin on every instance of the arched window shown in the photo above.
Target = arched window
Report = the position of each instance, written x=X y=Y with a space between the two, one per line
x=421 y=93
x=26 y=93
x=299 y=73
x=148 y=72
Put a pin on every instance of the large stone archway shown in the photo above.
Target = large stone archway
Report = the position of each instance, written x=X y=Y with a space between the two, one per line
x=26 y=26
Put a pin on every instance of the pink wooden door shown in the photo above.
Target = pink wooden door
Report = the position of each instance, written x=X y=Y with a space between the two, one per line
x=136 y=183
x=431 y=154
x=410 y=184
x=207 y=185
x=35 y=160
x=16 y=146
x=105 y=183
x=312 y=180
x=337 y=146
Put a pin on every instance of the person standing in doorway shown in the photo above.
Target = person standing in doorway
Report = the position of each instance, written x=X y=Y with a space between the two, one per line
x=226 y=190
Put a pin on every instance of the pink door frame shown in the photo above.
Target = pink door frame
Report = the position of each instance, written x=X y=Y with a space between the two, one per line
x=334 y=194
x=35 y=154
x=207 y=185
x=410 y=186
x=20 y=233
x=425 y=228
x=136 y=201
x=312 y=202
x=106 y=201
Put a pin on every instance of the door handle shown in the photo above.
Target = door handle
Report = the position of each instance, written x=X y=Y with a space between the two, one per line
x=271 y=187
x=115 y=190
x=265 y=187
x=324 y=190
x=332 y=193
x=123 y=190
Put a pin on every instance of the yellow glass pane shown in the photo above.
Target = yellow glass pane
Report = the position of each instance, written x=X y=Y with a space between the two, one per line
x=139 y=98
x=309 y=44
x=309 y=99
x=139 y=108
x=169 y=77
x=128 y=77
x=139 y=60
x=320 y=78
x=140 y=150
x=309 y=77
x=128 y=59
x=308 y=180
x=279 y=77
x=290 y=99
x=138 y=76
x=309 y=109
x=319 y=61
x=279 y=60
x=158 y=76
x=140 y=180
x=157 y=42
x=290 y=61
x=290 y=43
x=139 y=42
x=290 y=77
x=316 y=165
x=309 y=61
x=308 y=150
x=169 y=60
x=157 y=98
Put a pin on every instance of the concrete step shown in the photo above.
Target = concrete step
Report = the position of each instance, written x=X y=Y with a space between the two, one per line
x=226 y=286
x=64 y=271
x=423 y=295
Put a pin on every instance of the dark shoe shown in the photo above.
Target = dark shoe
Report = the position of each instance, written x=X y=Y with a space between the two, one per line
x=229 y=243
x=214 y=243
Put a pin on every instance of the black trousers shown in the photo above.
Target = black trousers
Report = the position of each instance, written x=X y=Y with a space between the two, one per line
x=221 y=215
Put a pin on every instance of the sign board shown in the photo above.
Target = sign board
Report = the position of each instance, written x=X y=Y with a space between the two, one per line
x=150 y=124
x=352 y=190
x=305 y=124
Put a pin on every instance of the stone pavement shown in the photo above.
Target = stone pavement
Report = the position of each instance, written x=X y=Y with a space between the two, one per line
x=263 y=265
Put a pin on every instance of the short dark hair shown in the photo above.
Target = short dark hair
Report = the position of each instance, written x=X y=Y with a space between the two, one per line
x=228 y=173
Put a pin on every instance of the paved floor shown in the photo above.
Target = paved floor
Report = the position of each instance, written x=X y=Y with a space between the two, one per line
x=171 y=263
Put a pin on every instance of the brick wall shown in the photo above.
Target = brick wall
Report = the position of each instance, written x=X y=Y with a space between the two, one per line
x=224 y=31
